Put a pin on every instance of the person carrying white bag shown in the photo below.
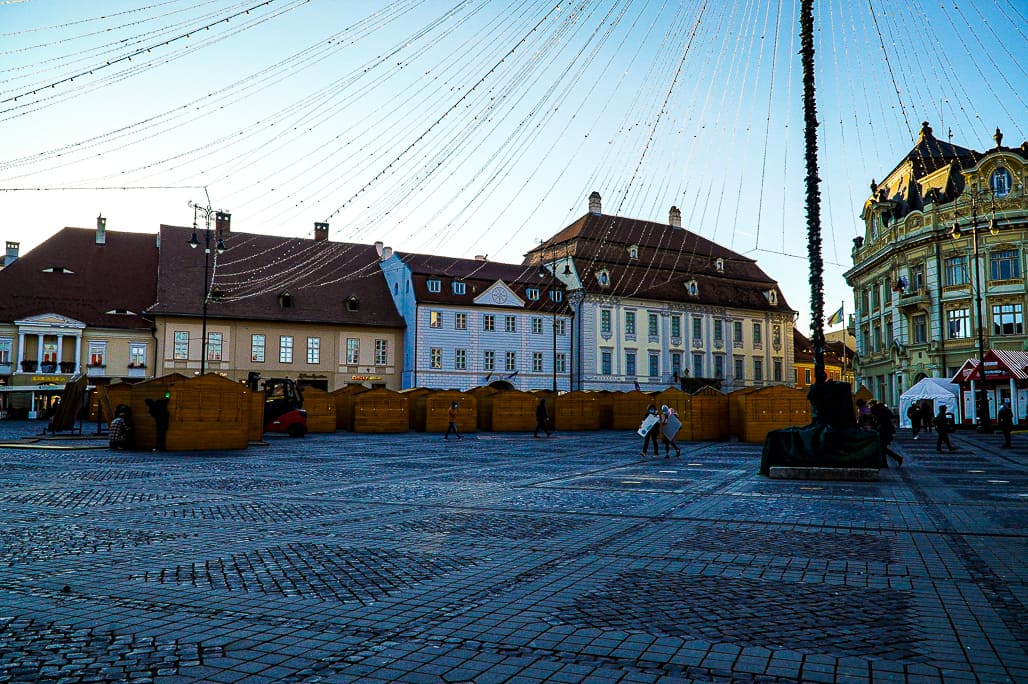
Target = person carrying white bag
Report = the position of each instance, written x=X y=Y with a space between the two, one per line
x=650 y=431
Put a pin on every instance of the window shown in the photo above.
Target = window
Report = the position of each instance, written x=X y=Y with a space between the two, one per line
x=719 y=366
x=489 y=322
x=97 y=353
x=603 y=278
x=381 y=352
x=1005 y=265
x=7 y=349
x=917 y=277
x=435 y=319
x=353 y=304
x=876 y=297
x=606 y=361
x=556 y=296
x=313 y=350
x=697 y=365
x=137 y=353
x=1007 y=319
x=510 y=324
x=806 y=376
x=777 y=370
x=460 y=321
x=958 y=324
x=537 y=326
x=676 y=326
x=49 y=352
x=605 y=321
x=537 y=362
x=629 y=322
x=562 y=363
x=532 y=293
x=758 y=334
x=561 y=325
x=257 y=343
x=214 y=341
x=888 y=330
x=956 y=271
x=434 y=285
x=511 y=361
x=285 y=349
x=633 y=252
x=719 y=332
x=919 y=328
x=876 y=338
x=758 y=370
x=697 y=328
x=489 y=361
x=654 y=364
x=737 y=334
x=459 y=287
x=739 y=373
x=1001 y=181
x=353 y=351
x=651 y=326
x=181 y=352
x=460 y=359
x=435 y=358
x=630 y=362
x=676 y=364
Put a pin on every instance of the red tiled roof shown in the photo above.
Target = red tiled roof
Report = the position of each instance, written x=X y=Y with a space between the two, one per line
x=668 y=258
x=255 y=270
x=89 y=279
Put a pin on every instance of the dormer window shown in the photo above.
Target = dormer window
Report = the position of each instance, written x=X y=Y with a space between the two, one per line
x=556 y=296
x=120 y=312
x=353 y=303
x=603 y=278
x=217 y=294
x=459 y=287
x=285 y=300
x=532 y=293
x=692 y=288
x=719 y=265
x=435 y=285
x=57 y=269
x=633 y=252
x=1001 y=182
x=772 y=297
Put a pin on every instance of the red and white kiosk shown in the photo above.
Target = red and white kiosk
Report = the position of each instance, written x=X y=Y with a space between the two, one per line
x=1006 y=379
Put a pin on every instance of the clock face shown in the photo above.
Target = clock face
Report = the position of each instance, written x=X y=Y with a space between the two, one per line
x=499 y=295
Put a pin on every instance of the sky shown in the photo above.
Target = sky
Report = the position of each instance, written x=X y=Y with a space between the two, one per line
x=479 y=127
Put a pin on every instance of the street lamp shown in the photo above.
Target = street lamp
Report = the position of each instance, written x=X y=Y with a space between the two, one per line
x=207 y=284
x=553 y=308
x=982 y=400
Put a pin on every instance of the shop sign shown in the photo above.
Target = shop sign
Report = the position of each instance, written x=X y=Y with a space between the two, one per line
x=44 y=379
x=365 y=378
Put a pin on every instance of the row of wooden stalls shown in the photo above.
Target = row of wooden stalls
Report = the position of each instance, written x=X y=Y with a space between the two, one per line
x=212 y=412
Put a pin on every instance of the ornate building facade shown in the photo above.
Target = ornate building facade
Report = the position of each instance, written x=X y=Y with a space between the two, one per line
x=943 y=252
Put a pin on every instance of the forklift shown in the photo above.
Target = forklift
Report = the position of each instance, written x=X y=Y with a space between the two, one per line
x=283 y=405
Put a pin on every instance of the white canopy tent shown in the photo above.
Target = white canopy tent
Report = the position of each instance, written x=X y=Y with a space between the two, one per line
x=936 y=390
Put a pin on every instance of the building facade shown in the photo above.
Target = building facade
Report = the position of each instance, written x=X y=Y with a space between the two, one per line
x=919 y=283
x=838 y=359
x=656 y=306
x=473 y=322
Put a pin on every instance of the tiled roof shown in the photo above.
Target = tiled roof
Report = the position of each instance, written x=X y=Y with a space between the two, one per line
x=668 y=258
x=86 y=281
x=803 y=349
x=1016 y=362
x=478 y=275
x=256 y=271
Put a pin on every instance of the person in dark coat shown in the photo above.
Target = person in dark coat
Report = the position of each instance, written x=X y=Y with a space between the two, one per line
x=541 y=418
x=882 y=417
x=942 y=429
x=654 y=434
x=926 y=415
x=1005 y=421
x=914 y=414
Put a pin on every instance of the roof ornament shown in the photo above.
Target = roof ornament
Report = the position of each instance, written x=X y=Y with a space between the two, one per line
x=926 y=132
x=998 y=137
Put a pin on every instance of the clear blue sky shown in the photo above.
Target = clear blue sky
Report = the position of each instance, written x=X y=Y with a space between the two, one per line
x=481 y=127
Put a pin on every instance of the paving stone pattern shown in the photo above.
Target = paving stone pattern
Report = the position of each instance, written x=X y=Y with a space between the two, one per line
x=502 y=558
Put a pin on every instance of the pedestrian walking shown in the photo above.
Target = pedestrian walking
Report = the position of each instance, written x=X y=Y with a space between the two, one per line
x=669 y=427
x=914 y=414
x=1005 y=420
x=942 y=430
x=926 y=415
x=541 y=418
x=451 y=415
x=652 y=430
x=882 y=417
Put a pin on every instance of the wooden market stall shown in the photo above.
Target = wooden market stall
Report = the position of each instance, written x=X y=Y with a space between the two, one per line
x=321 y=410
x=605 y=407
x=343 y=398
x=481 y=394
x=204 y=413
x=432 y=411
x=577 y=411
x=412 y=395
x=381 y=411
x=110 y=396
x=755 y=412
x=630 y=409
x=707 y=418
x=510 y=411
x=674 y=398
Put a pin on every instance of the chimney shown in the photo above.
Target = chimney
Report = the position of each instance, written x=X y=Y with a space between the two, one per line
x=222 y=223
x=101 y=230
x=320 y=232
x=594 y=203
x=480 y=257
x=675 y=217
x=12 y=253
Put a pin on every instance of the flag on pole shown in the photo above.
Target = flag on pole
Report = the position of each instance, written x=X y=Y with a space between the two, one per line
x=835 y=318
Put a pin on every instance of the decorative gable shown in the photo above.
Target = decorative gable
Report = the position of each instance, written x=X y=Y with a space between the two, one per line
x=48 y=322
x=499 y=294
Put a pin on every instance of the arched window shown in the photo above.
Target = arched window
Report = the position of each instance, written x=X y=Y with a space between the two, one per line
x=1001 y=182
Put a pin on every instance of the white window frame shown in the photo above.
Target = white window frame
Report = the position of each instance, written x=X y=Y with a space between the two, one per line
x=258 y=347
x=285 y=348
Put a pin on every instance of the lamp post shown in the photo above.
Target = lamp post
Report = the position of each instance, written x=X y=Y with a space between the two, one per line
x=553 y=307
x=982 y=400
x=220 y=247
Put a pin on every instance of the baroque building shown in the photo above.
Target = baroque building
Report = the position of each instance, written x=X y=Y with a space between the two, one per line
x=944 y=241
x=656 y=305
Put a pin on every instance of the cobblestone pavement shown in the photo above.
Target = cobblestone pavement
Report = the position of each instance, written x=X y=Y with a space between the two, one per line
x=499 y=558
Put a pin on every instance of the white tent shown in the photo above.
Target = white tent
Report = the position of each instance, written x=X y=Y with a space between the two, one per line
x=936 y=390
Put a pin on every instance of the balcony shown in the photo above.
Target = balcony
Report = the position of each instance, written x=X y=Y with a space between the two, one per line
x=913 y=299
